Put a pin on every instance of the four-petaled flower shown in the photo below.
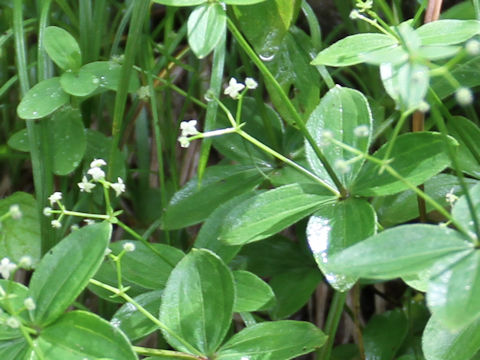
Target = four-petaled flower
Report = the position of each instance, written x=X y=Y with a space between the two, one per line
x=119 y=186
x=15 y=212
x=189 y=128
x=56 y=224
x=250 y=83
x=6 y=267
x=56 y=196
x=96 y=173
x=97 y=163
x=184 y=142
x=233 y=89
x=86 y=185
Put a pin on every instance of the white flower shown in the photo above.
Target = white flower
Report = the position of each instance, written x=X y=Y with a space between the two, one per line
x=250 y=83
x=25 y=262
x=15 y=212
x=86 y=185
x=325 y=138
x=6 y=267
x=184 y=142
x=56 y=224
x=47 y=211
x=361 y=131
x=233 y=88
x=342 y=166
x=472 y=47
x=450 y=197
x=89 y=221
x=13 y=322
x=29 y=304
x=143 y=93
x=96 y=173
x=96 y=163
x=189 y=127
x=464 y=96
x=119 y=186
x=108 y=251
x=129 y=246
x=56 y=196
x=424 y=107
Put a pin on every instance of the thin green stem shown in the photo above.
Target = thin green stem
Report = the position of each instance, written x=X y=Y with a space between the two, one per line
x=147 y=314
x=331 y=325
x=165 y=353
x=28 y=338
x=476 y=6
x=396 y=132
x=297 y=119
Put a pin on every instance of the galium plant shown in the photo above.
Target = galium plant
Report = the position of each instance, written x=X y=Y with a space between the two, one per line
x=296 y=172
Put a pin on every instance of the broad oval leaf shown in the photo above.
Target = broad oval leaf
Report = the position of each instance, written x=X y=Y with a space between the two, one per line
x=65 y=270
x=453 y=292
x=109 y=74
x=132 y=322
x=442 y=343
x=269 y=212
x=352 y=49
x=69 y=142
x=42 y=100
x=416 y=157
x=79 y=83
x=148 y=267
x=20 y=237
x=251 y=292
x=400 y=251
x=206 y=27
x=448 y=32
x=62 y=48
x=341 y=113
x=273 y=340
x=334 y=228
x=197 y=303
x=89 y=336
x=19 y=141
x=195 y=202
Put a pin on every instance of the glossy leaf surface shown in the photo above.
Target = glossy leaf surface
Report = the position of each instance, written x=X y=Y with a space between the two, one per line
x=65 y=270
x=198 y=302
x=109 y=74
x=461 y=210
x=79 y=83
x=340 y=112
x=415 y=156
x=194 y=203
x=269 y=212
x=42 y=100
x=277 y=340
x=335 y=227
x=251 y=292
x=448 y=32
x=62 y=48
x=399 y=251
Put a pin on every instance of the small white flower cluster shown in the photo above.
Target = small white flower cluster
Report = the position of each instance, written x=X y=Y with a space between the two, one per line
x=234 y=88
x=189 y=128
x=464 y=96
x=55 y=199
x=7 y=267
x=98 y=175
x=450 y=197
x=15 y=212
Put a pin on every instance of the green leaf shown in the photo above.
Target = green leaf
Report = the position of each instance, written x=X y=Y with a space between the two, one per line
x=180 y=2
x=243 y=2
x=197 y=303
x=464 y=73
x=65 y=270
x=453 y=290
x=442 y=343
x=62 y=48
x=79 y=83
x=384 y=334
x=20 y=237
x=6 y=332
x=19 y=141
x=416 y=157
x=207 y=237
x=13 y=349
x=461 y=210
x=132 y=322
x=352 y=49
x=439 y=52
x=68 y=141
x=467 y=134
x=406 y=83
x=13 y=303
x=340 y=112
x=271 y=211
x=89 y=336
x=301 y=281
x=251 y=292
x=334 y=228
x=109 y=74
x=42 y=100
x=273 y=340
x=448 y=32
x=195 y=202
x=399 y=251
x=206 y=27
x=148 y=267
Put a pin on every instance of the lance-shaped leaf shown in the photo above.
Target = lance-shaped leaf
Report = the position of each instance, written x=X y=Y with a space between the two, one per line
x=206 y=27
x=195 y=202
x=251 y=292
x=273 y=340
x=334 y=228
x=84 y=335
x=13 y=349
x=66 y=269
x=448 y=31
x=467 y=134
x=442 y=343
x=345 y=115
x=62 y=48
x=399 y=251
x=416 y=157
x=197 y=304
x=271 y=211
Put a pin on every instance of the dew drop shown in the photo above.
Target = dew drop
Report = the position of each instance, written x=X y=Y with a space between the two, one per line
x=95 y=80
x=266 y=57
x=35 y=113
